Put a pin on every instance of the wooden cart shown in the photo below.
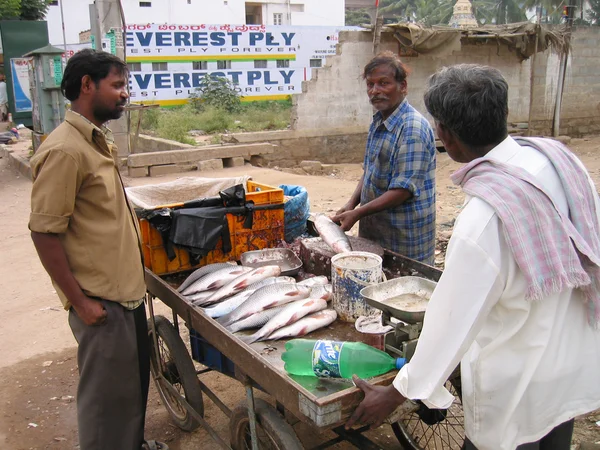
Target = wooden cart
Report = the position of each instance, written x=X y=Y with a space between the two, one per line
x=324 y=404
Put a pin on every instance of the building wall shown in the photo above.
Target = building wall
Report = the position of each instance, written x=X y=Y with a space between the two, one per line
x=180 y=12
x=336 y=95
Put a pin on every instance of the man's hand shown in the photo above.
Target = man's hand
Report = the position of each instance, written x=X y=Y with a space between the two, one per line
x=378 y=404
x=347 y=219
x=90 y=311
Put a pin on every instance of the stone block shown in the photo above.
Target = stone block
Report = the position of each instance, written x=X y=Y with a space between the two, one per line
x=210 y=164
x=311 y=167
x=163 y=170
x=236 y=161
x=137 y=172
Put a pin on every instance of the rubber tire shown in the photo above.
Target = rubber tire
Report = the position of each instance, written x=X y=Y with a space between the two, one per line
x=269 y=419
x=185 y=369
x=403 y=435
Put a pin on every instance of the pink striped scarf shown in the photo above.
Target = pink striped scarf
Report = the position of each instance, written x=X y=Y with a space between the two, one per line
x=553 y=251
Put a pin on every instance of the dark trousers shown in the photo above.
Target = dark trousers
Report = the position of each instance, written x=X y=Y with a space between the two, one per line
x=114 y=376
x=558 y=439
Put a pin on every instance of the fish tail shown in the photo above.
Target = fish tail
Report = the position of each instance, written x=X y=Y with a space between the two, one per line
x=248 y=339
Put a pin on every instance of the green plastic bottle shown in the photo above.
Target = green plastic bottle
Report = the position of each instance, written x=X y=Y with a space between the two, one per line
x=336 y=359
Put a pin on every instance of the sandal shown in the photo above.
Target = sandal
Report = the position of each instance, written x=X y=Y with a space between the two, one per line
x=154 y=445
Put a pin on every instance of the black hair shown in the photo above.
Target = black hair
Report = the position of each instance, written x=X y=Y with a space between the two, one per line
x=390 y=60
x=471 y=101
x=96 y=64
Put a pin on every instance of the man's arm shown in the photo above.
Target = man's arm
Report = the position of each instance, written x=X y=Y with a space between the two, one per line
x=389 y=199
x=54 y=260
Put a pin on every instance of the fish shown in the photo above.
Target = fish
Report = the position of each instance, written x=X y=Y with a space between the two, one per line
x=321 y=291
x=216 y=279
x=314 y=281
x=305 y=325
x=292 y=312
x=332 y=234
x=242 y=282
x=199 y=297
x=228 y=305
x=264 y=298
x=202 y=271
x=255 y=320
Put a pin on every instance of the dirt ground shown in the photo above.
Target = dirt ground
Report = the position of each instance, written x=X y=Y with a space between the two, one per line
x=38 y=364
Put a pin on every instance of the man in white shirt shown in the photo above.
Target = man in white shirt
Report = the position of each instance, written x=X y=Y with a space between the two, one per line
x=528 y=367
x=3 y=100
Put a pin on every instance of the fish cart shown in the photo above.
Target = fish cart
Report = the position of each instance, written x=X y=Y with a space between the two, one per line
x=323 y=404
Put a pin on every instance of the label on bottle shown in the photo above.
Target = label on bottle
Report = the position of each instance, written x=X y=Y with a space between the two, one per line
x=326 y=358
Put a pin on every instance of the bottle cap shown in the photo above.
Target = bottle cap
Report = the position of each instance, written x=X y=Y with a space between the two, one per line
x=400 y=363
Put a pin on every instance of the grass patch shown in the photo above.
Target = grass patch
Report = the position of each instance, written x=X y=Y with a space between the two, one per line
x=175 y=123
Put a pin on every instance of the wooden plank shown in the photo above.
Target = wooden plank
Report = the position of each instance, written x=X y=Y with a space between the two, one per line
x=198 y=154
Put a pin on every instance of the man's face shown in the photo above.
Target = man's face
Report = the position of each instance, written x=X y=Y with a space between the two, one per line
x=110 y=96
x=385 y=93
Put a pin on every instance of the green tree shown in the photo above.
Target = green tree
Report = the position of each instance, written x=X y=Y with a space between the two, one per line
x=34 y=9
x=10 y=9
x=23 y=9
x=593 y=14
x=357 y=17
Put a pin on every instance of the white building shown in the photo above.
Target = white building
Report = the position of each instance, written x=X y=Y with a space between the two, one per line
x=179 y=12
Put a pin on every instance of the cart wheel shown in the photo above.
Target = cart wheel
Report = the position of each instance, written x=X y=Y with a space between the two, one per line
x=448 y=433
x=174 y=363
x=272 y=430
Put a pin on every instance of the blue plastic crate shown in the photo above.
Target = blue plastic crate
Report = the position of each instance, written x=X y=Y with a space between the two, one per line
x=209 y=356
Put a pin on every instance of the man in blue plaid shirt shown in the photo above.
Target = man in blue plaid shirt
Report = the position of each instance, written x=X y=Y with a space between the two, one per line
x=397 y=190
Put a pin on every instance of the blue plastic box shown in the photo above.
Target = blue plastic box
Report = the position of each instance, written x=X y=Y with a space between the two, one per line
x=209 y=356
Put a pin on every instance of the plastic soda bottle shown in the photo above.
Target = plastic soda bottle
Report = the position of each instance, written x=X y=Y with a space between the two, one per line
x=336 y=359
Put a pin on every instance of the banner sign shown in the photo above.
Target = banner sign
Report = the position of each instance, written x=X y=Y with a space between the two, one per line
x=20 y=80
x=167 y=62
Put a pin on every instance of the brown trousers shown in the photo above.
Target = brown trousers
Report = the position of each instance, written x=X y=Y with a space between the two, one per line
x=558 y=439
x=114 y=374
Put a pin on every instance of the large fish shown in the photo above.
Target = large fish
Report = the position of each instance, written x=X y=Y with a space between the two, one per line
x=242 y=282
x=292 y=312
x=216 y=279
x=321 y=291
x=264 y=298
x=199 y=297
x=255 y=320
x=314 y=281
x=202 y=271
x=305 y=325
x=332 y=234
x=228 y=305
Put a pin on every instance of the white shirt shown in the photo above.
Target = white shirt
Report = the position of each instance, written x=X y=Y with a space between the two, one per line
x=3 y=94
x=526 y=366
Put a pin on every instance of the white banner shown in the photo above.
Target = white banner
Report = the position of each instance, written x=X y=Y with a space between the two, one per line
x=168 y=62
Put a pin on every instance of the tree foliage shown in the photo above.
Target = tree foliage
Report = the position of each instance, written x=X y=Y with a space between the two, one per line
x=593 y=14
x=215 y=91
x=357 y=17
x=23 y=9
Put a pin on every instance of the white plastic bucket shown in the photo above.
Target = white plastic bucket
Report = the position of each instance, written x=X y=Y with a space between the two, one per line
x=350 y=272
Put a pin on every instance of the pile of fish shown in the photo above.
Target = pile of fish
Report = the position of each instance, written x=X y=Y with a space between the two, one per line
x=242 y=298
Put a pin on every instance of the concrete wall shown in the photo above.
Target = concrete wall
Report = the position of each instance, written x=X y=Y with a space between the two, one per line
x=336 y=95
x=147 y=144
x=580 y=111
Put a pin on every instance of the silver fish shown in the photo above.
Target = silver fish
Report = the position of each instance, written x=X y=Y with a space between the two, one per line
x=332 y=234
x=321 y=291
x=199 y=297
x=228 y=305
x=242 y=282
x=202 y=271
x=264 y=298
x=255 y=320
x=292 y=312
x=314 y=281
x=216 y=279
x=305 y=325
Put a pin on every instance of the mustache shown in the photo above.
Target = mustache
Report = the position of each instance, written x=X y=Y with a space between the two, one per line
x=374 y=99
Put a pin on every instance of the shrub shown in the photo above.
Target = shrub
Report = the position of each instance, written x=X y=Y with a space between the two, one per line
x=215 y=91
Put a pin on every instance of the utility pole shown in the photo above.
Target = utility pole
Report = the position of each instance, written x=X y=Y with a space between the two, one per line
x=569 y=13
x=107 y=24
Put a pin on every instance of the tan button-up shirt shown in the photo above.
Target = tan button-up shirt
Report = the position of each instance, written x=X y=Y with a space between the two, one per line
x=78 y=195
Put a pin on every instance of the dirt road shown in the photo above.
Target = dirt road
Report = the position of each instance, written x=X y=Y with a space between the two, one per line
x=38 y=367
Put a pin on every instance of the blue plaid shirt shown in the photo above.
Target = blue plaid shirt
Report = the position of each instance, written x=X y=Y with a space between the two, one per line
x=401 y=154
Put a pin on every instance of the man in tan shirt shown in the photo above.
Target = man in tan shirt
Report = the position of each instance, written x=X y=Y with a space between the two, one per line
x=87 y=237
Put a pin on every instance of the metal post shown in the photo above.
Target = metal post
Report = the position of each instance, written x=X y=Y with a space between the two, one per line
x=251 y=416
x=62 y=19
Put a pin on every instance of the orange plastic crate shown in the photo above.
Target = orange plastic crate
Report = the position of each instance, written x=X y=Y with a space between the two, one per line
x=267 y=231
